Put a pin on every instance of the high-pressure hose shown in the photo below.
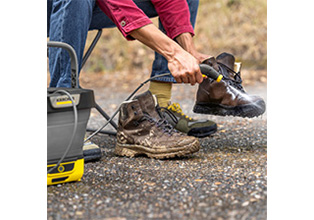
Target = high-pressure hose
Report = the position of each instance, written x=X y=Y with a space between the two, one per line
x=128 y=98
x=205 y=69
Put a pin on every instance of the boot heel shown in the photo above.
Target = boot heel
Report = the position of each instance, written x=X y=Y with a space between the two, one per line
x=212 y=110
x=202 y=109
x=123 y=151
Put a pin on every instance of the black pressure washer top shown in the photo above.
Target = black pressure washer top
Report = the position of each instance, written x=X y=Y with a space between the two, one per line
x=58 y=102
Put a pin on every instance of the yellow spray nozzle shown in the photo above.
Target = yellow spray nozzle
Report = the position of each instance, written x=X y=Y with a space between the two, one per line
x=210 y=72
x=219 y=78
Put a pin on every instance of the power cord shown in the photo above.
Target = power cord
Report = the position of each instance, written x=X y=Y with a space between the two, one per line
x=128 y=98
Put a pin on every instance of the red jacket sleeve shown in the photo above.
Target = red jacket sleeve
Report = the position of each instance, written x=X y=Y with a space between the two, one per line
x=125 y=14
x=174 y=16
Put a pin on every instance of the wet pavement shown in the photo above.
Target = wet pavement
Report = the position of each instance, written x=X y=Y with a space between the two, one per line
x=226 y=179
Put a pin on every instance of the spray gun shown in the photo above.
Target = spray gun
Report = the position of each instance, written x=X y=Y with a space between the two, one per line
x=207 y=71
x=210 y=72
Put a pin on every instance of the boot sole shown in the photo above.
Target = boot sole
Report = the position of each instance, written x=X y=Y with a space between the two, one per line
x=250 y=110
x=131 y=150
x=202 y=132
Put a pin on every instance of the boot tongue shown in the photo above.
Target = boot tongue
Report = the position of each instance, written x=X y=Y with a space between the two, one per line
x=211 y=62
x=148 y=103
x=226 y=59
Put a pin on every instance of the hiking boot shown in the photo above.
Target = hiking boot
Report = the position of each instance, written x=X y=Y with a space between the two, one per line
x=183 y=123
x=226 y=97
x=142 y=130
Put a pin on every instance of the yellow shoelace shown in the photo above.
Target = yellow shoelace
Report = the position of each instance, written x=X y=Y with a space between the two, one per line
x=175 y=107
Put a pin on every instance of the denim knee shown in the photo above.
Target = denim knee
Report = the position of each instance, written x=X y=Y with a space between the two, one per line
x=68 y=22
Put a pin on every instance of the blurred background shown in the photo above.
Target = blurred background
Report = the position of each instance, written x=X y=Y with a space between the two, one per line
x=235 y=26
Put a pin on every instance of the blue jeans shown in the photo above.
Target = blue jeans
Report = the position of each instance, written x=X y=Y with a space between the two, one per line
x=70 y=20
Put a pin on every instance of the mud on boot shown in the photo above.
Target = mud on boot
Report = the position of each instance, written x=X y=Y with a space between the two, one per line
x=142 y=131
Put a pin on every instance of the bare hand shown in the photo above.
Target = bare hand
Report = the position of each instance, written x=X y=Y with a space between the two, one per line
x=185 y=69
x=200 y=56
x=182 y=65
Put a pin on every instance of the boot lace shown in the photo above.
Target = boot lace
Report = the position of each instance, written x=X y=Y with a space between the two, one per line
x=236 y=82
x=175 y=107
x=161 y=123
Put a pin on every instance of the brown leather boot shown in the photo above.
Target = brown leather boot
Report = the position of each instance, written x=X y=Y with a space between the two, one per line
x=142 y=130
x=226 y=97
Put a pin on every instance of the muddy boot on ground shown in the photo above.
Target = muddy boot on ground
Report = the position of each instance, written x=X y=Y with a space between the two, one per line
x=142 y=130
x=226 y=97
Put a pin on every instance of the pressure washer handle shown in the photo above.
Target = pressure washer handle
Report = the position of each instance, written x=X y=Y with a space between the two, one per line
x=73 y=58
x=210 y=72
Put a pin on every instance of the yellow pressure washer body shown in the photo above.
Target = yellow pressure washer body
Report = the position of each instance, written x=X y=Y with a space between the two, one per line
x=60 y=122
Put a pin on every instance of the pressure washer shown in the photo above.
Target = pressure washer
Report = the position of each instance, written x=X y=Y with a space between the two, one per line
x=68 y=111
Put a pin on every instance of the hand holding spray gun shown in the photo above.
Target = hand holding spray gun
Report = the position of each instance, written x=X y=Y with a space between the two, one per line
x=210 y=72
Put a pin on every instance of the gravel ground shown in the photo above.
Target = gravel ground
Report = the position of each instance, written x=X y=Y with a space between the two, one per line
x=226 y=179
